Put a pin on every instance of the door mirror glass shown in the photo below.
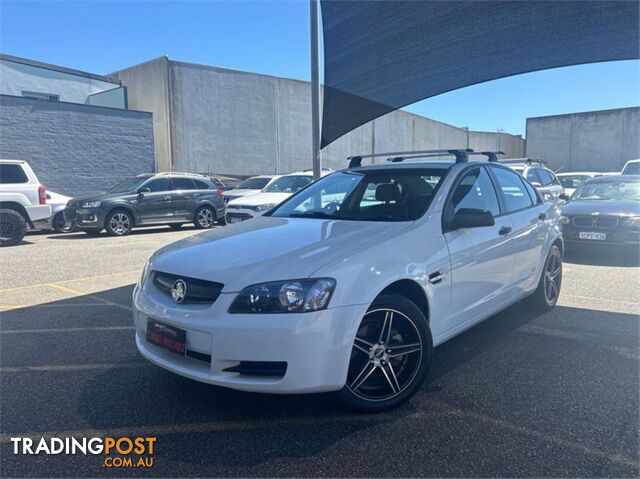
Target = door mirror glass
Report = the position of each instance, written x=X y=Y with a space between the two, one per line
x=472 y=218
x=142 y=191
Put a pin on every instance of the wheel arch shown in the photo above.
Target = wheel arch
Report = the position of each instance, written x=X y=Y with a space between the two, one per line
x=413 y=291
x=12 y=205
x=208 y=203
x=120 y=206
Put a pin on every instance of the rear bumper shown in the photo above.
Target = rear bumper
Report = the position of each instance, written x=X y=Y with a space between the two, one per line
x=38 y=212
x=316 y=347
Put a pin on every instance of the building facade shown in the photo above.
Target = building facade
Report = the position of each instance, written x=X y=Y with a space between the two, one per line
x=591 y=141
x=73 y=127
x=229 y=122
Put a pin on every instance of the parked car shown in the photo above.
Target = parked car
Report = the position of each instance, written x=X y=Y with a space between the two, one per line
x=248 y=207
x=350 y=283
x=56 y=221
x=631 y=167
x=570 y=181
x=534 y=170
x=250 y=186
x=604 y=210
x=23 y=201
x=152 y=199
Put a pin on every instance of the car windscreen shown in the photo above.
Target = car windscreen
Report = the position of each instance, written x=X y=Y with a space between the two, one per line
x=253 y=184
x=130 y=184
x=608 y=190
x=572 y=181
x=288 y=184
x=632 y=169
x=399 y=195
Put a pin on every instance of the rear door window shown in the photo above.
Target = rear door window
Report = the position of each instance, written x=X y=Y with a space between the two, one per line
x=513 y=189
x=12 y=174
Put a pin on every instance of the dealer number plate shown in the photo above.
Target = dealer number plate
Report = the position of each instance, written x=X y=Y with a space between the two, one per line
x=168 y=337
x=592 y=235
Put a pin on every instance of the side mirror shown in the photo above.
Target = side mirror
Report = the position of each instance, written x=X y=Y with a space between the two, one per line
x=143 y=191
x=472 y=218
x=536 y=184
x=563 y=196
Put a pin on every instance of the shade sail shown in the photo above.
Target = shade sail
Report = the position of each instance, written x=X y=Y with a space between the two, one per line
x=382 y=55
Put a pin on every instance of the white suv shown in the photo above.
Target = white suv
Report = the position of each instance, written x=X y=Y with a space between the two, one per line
x=350 y=283
x=247 y=207
x=22 y=201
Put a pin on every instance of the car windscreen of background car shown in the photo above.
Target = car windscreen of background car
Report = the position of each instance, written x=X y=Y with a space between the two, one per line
x=572 y=181
x=608 y=190
x=288 y=184
x=130 y=184
x=253 y=184
x=372 y=196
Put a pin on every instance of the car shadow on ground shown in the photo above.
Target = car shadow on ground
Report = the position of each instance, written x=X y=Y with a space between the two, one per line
x=80 y=235
x=199 y=423
x=604 y=256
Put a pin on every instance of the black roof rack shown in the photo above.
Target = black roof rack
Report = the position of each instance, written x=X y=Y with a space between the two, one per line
x=461 y=155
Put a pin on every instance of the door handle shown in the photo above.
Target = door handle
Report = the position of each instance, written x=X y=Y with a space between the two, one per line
x=505 y=230
x=436 y=277
x=542 y=216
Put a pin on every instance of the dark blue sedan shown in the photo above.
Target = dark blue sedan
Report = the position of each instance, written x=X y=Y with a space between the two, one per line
x=604 y=210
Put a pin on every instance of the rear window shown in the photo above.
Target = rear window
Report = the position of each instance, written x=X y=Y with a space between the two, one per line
x=632 y=169
x=12 y=173
x=201 y=185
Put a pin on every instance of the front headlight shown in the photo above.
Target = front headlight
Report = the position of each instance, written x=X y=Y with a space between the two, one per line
x=91 y=204
x=632 y=221
x=145 y=274
x=264 y=207
x=295 y=296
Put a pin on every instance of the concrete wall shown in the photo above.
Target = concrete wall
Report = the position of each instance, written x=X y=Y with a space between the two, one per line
x=148 y=90
x=512 y=145
x=17 y=77
x=592 y=141
x=75 y=148
x=238 y=123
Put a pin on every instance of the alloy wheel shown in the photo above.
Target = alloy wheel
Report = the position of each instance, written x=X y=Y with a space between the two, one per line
x=120 y=223
x=553 y=277
x=205 y=218
x=386 y=355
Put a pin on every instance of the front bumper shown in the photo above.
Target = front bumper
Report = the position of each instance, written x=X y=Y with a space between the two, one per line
x=316 y=347
x=84 y=218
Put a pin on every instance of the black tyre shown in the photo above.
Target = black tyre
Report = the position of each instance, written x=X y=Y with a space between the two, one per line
x=119 y=223
x=175 y=226
x=391 y=355
x=205 y=217
x=93 y=232
x=13 y=227
x=546 y=295
x=59 y=225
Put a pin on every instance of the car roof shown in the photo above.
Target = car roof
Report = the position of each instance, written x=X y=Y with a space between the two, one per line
x=615 y=179
x=637 y=160
x=12 y=161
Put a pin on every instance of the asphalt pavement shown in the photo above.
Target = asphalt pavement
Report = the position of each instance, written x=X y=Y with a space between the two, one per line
x=520 y=395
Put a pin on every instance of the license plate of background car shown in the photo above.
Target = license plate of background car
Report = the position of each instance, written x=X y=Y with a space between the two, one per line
x=592 y=235
x=168 y=337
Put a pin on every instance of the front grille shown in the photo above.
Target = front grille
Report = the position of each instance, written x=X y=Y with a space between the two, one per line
x=596 y=221
x=241 y=216
x=197 y=291
x=259 y=368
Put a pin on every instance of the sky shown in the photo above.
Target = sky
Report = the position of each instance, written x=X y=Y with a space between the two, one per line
x=272 y=37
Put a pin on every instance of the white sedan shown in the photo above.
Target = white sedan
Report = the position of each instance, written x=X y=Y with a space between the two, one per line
x=348 y=285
